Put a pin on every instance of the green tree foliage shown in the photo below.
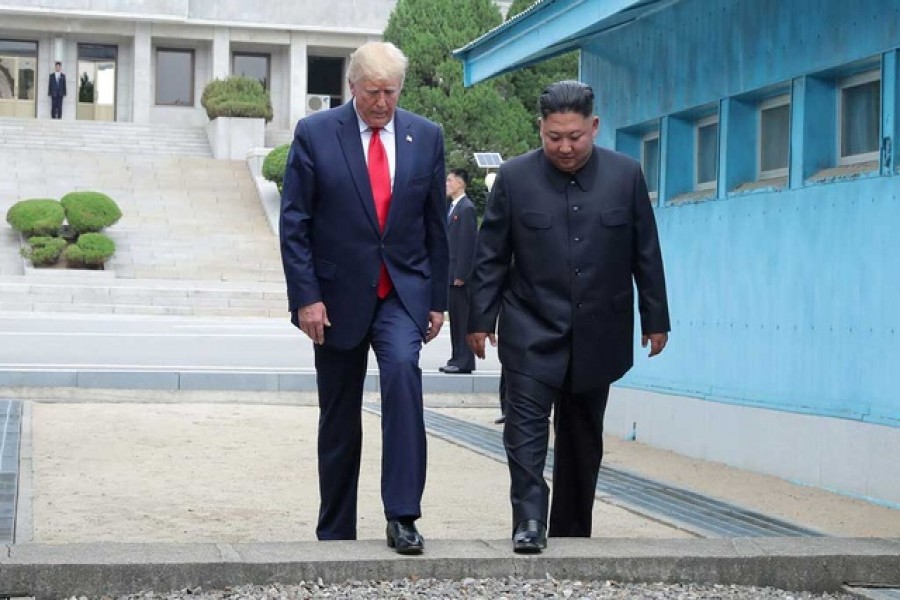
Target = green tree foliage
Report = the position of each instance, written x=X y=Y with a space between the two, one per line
x=90 y=211
x=483 y=118
x=36 y=217
x=91 y=249
x=527 y=84
x=275 y=163
x=43 y=250
x=236 y=97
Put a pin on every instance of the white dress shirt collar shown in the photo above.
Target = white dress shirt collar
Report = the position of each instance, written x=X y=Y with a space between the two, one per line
x=387 y=138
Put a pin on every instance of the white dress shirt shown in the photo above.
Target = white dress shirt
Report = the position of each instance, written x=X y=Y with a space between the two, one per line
x=387 y=138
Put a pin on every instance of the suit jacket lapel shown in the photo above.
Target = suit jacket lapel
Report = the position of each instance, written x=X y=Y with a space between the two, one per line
x=404 y=145
x=348 y=136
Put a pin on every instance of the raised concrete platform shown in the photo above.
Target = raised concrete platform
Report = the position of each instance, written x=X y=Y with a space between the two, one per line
x=232 y=380
x=812 y=564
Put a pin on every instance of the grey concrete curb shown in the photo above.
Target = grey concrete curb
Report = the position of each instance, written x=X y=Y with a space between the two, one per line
x=812 y=564
x=233 y=380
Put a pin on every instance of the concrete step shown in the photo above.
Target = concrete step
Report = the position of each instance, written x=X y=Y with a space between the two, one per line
x=58 y=293
x=92 y=136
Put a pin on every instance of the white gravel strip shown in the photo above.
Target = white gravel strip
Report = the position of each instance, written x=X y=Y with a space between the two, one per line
x=485 y=589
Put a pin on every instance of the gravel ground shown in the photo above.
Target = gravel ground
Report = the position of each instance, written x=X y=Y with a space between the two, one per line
x=486 y=589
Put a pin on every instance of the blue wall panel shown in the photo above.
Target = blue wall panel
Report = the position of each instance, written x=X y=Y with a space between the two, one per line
x=785 y=300
x=780 y=299
x=699 y=51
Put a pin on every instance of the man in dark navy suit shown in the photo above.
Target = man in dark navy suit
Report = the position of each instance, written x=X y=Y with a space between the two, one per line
x=567 y=233
x=364 y=246
x=462 y=226
x=57 y=91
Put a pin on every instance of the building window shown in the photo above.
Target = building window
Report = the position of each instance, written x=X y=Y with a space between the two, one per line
x=18 y=61
x=650 y=161
x=774 y=137
x=859 y=114
x=706 y=146
x=174 y=77
x=254 y=66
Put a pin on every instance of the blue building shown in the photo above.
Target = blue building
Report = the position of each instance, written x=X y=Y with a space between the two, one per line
x=768 y=132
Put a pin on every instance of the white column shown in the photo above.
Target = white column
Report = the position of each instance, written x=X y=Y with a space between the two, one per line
x=143 y=92
x=221 y=67
x=59 y=49
x=298 y=77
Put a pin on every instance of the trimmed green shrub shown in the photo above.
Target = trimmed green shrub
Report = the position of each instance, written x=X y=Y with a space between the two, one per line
x=90 y=211
x=43 y=250
x=275 y=164
x=91 y=249
x=236 y=97
x=39 y=216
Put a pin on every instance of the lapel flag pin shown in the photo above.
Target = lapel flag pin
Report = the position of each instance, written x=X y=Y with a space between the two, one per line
x=409 y=138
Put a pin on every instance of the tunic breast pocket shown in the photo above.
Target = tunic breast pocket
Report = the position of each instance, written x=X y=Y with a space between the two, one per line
x=537 y=220
x=615 y=217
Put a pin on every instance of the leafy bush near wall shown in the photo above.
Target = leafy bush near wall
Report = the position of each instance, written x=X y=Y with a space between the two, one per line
x=36 y=217
x=91 y=249
x=236 y=97
x=275 y=164
x=90 y=211
x=43 y=250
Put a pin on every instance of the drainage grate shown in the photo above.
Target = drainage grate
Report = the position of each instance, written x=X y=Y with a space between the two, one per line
x=683 y=508
x=10 y=426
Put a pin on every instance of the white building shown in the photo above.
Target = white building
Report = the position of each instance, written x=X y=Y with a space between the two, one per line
x=147 y=61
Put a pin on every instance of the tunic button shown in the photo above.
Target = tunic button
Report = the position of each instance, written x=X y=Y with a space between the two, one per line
x=575 y=208
x=578 y=239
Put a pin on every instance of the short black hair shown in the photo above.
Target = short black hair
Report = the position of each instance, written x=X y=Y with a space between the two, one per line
x=462 y=174
x=567 y=96
x=57 y=64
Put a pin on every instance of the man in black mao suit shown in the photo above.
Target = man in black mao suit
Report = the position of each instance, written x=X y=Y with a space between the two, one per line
x=364 y=246
x=56 y=89
x=462 y=229
x=567 y=232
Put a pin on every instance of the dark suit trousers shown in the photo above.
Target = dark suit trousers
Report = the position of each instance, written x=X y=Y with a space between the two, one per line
x=462 y=357
x=340 y=375
x=56 y=103
x=578 y=450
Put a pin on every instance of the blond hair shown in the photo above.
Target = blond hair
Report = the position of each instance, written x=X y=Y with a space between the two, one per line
x=377 y=61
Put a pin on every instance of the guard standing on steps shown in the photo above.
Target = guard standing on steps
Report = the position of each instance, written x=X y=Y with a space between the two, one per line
x=56 y=89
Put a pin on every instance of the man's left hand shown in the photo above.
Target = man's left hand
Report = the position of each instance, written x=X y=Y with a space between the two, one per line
x=435 y=320
x=657 y=342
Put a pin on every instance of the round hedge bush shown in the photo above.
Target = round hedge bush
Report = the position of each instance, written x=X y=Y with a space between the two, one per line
x=44 y=250
x=236 y=97
x=275 y=164
x=91 y=249
x=90 y=211
x=36 y=217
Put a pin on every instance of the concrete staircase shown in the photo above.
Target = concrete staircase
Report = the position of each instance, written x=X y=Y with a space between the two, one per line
x=193 y=239
x=102 y=137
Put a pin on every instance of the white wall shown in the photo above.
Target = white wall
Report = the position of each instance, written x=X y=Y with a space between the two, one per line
x=847 y=456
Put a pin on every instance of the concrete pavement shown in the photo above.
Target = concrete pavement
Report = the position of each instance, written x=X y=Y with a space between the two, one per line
x=126 y=490
x=172 y=353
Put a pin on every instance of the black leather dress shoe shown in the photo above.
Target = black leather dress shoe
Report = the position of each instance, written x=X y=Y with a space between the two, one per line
x=453 y=370
x=530 y=537
x=405 y=539
x=500 y=420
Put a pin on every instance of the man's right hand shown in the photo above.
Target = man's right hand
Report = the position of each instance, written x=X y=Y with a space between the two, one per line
x=313 y=319
x=476 y=342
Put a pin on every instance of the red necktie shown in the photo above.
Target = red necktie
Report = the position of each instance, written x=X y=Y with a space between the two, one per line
x=380 y=178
